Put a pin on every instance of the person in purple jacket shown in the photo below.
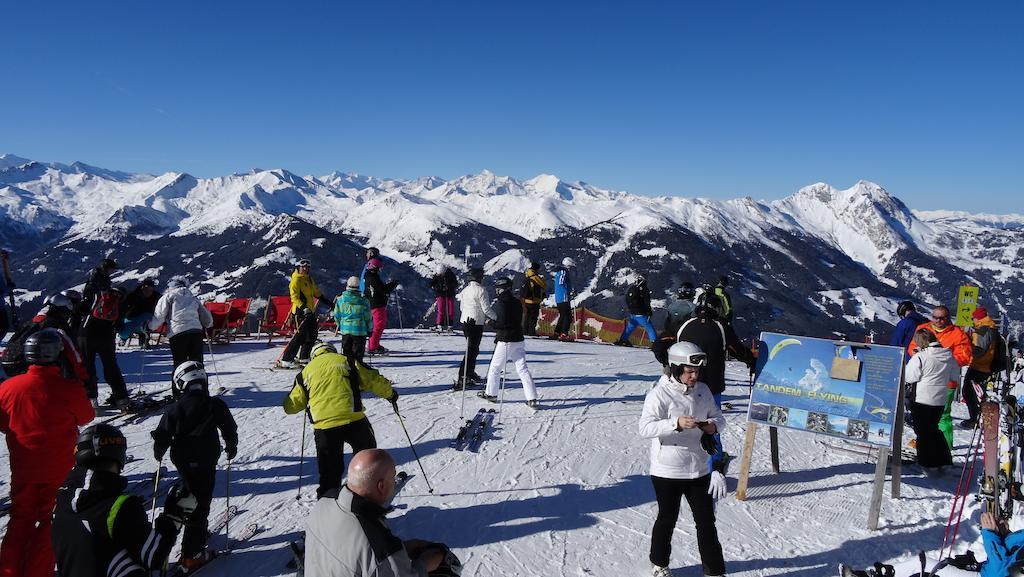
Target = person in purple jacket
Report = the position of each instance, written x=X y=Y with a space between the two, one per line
x=910 y=319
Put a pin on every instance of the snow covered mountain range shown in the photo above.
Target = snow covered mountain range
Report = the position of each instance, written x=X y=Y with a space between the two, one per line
x=820 y=260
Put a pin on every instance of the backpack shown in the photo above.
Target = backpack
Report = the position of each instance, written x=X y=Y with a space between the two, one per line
x=107 y=306
x=999 y=358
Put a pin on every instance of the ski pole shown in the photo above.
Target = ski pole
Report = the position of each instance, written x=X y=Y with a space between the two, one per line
x=963 y=499
x=142 y=367
x=156 y=486
x=501 y=388
x=302 y=455
x=398 y=305
x=960 y=493
x=401 y=422
x=465 y=378
x=227 y=505
x=213 y=361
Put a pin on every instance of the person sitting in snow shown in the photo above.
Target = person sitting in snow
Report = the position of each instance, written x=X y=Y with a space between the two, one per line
x=347 y=533
x=1005 y=549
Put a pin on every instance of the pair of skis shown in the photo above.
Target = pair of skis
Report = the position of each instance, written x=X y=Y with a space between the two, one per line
x=250 y=531
x=471 y=434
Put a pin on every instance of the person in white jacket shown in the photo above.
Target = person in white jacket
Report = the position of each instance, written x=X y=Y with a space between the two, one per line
x=680 y=416
x=931 y=371
x=186 y=320
x=475 y=305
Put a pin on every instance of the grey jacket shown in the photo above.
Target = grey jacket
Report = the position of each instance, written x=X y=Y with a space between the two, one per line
x=348 y=536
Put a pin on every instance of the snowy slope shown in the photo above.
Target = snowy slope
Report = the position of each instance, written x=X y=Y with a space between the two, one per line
x=558 y=492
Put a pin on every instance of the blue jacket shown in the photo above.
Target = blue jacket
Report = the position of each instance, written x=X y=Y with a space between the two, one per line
x=904 y=332
x=563 y=285
x=362 y=280
x=1003 y=553
x=352 y=313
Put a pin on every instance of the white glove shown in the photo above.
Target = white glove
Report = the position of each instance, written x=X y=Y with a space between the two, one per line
x=717 y=488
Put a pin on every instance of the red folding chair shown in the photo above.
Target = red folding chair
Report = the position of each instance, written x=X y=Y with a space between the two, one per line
x=277 y=318
x=218 y=331
x=238 y=316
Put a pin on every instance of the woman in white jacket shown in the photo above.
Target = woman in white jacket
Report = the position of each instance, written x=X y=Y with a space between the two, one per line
x=932 y=369
x=677 y=412
x=186 y=320
x=476 y=309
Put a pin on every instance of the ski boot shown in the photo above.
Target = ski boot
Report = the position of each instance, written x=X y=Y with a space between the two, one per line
x=483 y=395
x=622 y=343
x=192 y=563
x=533 y=404
x=285 y=365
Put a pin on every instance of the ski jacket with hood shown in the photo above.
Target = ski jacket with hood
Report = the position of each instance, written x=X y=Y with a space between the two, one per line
x=535 y=288
x=1004 y=553
x=329 y=389
x=444 y=284
x=189 y=427
x=181 y=310
x=377 y=291
x=638 y=299
x=352 y=313
x=563 y=285
x=99 y=530
x=678 y=454
x=903 y=335
x=97 y=282
x=508 y=318
x=985 y=339
x=933 y=369
x=348 y=535
x=715 y=338
x=303 y=291
x=40 y=412
x=951 y=337
x=475 y=304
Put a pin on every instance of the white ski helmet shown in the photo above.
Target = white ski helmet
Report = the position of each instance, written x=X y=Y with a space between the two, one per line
x=188 y=376
x=568 y=263
x=687 y=354
x=321 y=347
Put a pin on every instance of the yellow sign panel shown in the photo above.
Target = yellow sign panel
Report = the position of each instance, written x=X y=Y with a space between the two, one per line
x=966 y=303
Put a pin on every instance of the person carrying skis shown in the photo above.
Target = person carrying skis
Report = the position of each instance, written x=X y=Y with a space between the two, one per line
x=930 y=372
x=347 y=532
x=329 y=390
x=638 y=301
x=377 y=292
x=304 y=294
x=726 y=312
x=988 y=357
x=139 y=309
x=6 y=296
x=371 y=253
x=679 y=415
x=563 y=299
x=533 y=291
x=508 y=345
x=189 y=427
x=100 y=310
x=476 y=309
x=444 y=284
x=56 y=314
x=98 y=527
x=910 y=319
x=352 y=315
x=186 y=319
x=40 y=412
x=680 y=311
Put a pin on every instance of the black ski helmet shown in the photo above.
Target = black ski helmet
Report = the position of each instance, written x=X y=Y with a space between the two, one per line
x=101 y=442
x=372 y=252
x=188 y=376
x=502 y=284
x=534 y=265
x=109 y=263
x=476 y=273
x=75 y=296
x=59 y=301
x=687 y=291
x=723 y=281
x=904 y=307
x=44 y=347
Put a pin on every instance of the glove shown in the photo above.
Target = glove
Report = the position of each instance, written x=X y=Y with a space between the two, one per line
x=393 y=399
x=717 y=488
x=707 y=442
x=305 y=311
x=179 y=505
x=230 y=452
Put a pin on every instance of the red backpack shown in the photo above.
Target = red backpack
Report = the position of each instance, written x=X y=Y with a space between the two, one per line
x=107 y=306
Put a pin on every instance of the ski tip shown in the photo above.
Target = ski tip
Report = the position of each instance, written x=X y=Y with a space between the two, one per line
x=401 y=476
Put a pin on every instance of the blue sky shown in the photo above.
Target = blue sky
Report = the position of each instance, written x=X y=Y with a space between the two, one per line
x=706 y=99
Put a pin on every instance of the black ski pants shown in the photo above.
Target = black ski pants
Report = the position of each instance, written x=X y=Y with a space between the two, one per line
x=186 y=346
x=353 y=347
x=200 y=480
x=304 y=338
x=970 y=395
x=5 y=322
x=669 y=493
x=98 y=340
x=932 y=449
x=474 y=334
x=330 y=450
x=531 y=313
x=564 y=319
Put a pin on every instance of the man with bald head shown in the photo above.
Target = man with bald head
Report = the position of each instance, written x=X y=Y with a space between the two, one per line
x=348 y=535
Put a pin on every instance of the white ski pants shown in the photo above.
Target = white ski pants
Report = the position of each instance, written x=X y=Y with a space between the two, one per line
x=515 y=352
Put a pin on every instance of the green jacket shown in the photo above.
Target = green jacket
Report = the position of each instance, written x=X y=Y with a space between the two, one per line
x=352 y=313
x=330 y=393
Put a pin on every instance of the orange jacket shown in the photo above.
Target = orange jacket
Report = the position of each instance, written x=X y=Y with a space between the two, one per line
x=952 y=338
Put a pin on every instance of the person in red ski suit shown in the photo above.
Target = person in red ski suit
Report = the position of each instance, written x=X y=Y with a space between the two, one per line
x=40 y=412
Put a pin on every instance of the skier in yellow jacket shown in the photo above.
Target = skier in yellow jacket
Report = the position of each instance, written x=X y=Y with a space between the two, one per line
x=329 y=388
x=534 y=290
x=304 y=294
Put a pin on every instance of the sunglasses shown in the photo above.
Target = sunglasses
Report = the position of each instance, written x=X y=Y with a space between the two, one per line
x=940 y=318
